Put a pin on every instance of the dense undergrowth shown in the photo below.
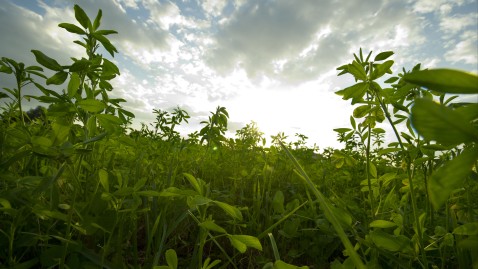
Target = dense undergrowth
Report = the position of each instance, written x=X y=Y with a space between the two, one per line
x=80 y=189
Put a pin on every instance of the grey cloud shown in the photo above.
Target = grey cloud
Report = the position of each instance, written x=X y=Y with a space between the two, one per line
x=261 y=33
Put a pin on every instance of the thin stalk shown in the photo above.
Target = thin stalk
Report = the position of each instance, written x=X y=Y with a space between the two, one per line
x=369 y=181
x=410 y=181
x=19 y=97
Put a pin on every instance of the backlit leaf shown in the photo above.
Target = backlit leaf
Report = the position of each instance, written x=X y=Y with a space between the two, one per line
x=382 y=224
x=244 y=241
x=197 y=200
x=171 y=259
x=361 y=111
x=451 y=176
x=92 y=105
x=444 y=80
x=109 y=122
x=103 y=175
x=356 y=92
x=357 y=71
x=230 y=210
x=381 y=69
x=73 y=85
x=442 y=124
x=194 y=182
x=212 y=226
x=282 y=265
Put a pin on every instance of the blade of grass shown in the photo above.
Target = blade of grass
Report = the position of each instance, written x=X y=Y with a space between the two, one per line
x=327 y=210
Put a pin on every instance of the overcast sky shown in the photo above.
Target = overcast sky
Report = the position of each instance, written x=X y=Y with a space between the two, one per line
x=269 y=61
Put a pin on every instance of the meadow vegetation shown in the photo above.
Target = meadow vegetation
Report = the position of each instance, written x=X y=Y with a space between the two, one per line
x=79 y=188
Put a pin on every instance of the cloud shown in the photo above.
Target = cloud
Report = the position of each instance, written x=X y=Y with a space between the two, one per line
x=294 y=42
x=465 y=50
x=455 y=24
x=429 y=6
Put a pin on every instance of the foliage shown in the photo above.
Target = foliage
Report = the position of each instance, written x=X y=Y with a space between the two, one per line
x=80 y=189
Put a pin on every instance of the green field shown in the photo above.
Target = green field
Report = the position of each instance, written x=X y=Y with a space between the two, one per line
x=79 y=188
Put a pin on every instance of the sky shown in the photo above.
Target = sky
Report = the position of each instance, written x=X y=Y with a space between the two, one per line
x=268 y=61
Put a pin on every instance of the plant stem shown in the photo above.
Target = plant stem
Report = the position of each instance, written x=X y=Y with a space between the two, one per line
x=410 y=182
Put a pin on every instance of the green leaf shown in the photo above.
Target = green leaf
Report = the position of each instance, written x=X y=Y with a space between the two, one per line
x=373 y=170
x=73 y=85
x=388 y=150
x=361 y=111
x=230 y=210
x=81 y=17
x=467 y=229
x=342 y=130
x=171 y=259
x=282 y=265
x=109 y=122
x=97 y=22
x=444 y=80
x=241 y=242
x=194 y=182
x=278 y=202
x=3 y=95
x=342 y=216
x=96 y=138
x=92 y=105
x=72 y=28
x=57 y=79
x=391 y=80
x=394 y=243
x=106 y=32
x=61 y=130
x=451 y=176
x=149 y=193
x=442 y=124
x=381 y=69
x=80 y=66
x=210 y=225
x=5 y=69
x=241 y=247
x=383 y=55
x=357 y=71
x=197 y=200
x=356 y=92
x=41 y=141
x=400 y=107
x=106 y=43
x=109 y=68
x=382 y=224
x=47 y=61
x=103 y=175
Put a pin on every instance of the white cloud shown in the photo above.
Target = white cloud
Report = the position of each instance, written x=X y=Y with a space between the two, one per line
x=297 y=42
x=465 y=51
x=428 y=6
x=455 y=24
x=214 y=7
